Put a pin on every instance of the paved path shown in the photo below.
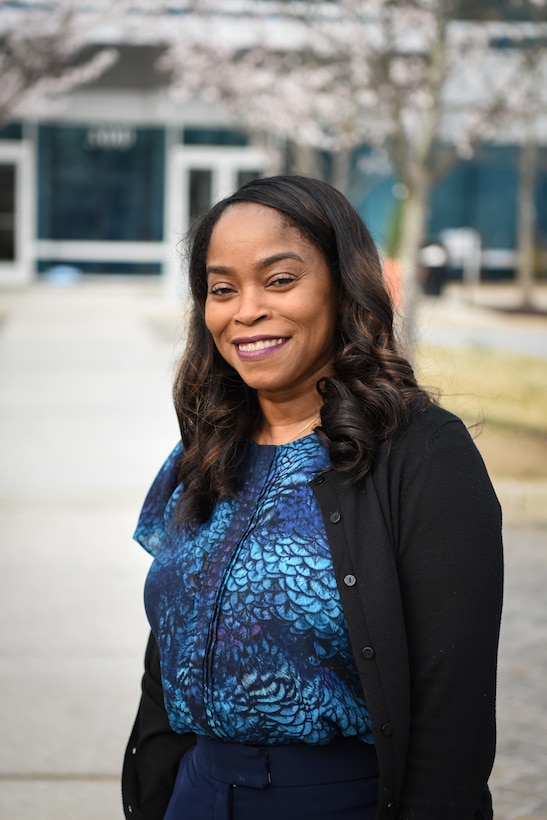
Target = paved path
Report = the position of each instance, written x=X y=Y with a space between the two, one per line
x=85 y=419
x=520 y=775
x=460 y=318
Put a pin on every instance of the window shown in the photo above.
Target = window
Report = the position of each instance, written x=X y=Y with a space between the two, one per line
x=200 y=193
x=7 y=212
x=213 y=136
x=101 y=183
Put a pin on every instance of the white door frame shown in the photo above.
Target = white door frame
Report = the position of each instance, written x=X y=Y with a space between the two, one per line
x=20 y=271
x=224 y=162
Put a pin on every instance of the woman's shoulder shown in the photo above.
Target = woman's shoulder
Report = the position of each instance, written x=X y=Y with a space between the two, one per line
x=151 y=523
x=425 y=418
x=427 y=427
x=433 y=451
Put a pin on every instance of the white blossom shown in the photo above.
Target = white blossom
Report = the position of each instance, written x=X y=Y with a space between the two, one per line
x=40 y=48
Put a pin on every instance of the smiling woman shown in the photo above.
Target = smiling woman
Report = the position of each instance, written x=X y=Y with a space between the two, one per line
x=326 y=587
x=271 y=309
x=218 y=413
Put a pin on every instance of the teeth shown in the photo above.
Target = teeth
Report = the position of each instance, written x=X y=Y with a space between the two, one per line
x=263 y=344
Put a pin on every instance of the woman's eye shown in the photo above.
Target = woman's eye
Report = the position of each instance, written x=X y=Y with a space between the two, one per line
x=282 y=280
x=220 y=290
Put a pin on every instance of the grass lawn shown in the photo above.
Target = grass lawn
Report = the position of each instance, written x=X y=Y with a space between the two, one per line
x=501 y=396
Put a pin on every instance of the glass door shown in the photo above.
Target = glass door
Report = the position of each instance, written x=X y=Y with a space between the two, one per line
x=200 y=192
x=199 y=177
x=17 y=223
x=7 y=211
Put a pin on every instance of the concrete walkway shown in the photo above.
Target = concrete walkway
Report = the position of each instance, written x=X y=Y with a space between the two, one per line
x=463 y=316
x=85 y=420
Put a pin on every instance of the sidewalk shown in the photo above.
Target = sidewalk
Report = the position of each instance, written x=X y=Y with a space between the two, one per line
x=485 y=316
x=85 y=421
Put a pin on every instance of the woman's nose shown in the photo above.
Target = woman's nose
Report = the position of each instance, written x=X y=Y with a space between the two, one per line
x=250 y=308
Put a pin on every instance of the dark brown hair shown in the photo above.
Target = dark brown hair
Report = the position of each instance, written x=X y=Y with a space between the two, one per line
x=366 y=398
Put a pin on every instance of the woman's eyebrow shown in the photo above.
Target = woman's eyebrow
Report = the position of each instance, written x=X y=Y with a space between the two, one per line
x=278 y=257
x=262 y=264
x=220 y=269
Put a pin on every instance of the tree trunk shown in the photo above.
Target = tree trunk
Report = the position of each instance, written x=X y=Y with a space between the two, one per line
x=527 y=220
x=341 y=163
x=305 y=160
x=413 y=227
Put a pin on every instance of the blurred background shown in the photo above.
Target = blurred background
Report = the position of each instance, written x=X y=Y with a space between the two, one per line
x=119 y=124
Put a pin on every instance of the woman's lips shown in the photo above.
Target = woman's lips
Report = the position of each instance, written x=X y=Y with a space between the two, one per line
x=258 y=347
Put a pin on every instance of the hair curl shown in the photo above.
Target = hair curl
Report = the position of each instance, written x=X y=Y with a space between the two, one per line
x=365 y=399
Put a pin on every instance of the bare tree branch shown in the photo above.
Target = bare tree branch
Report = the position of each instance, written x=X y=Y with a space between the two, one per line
x=43 y=53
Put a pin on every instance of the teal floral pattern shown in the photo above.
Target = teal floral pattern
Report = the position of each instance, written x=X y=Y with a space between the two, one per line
x=253 y=641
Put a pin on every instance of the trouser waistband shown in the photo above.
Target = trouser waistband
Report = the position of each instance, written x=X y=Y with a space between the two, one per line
x=292 y=765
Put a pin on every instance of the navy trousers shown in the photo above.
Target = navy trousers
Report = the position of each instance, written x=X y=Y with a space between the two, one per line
x=232 y=781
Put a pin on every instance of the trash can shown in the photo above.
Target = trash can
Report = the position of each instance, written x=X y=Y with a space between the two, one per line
x=433 y=260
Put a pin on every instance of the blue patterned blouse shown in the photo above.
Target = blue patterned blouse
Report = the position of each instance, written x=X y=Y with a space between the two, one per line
x=253 y=641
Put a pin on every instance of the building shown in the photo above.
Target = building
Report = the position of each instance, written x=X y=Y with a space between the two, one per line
x=110 y=182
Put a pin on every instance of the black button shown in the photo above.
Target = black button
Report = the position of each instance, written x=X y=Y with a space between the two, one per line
x=387 y=729
x=368 y=653
x=319 y=479
x=335 y=517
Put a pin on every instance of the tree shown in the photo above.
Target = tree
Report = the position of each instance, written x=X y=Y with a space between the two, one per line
x=426 y=80
x=46 y=50
x=408 y=75
x=524 y=119
x=530 y=106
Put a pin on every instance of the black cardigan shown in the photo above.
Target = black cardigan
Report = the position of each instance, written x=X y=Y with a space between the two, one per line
x=417 y=554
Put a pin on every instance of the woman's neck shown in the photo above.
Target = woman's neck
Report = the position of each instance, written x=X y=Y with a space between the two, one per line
x=281 y=425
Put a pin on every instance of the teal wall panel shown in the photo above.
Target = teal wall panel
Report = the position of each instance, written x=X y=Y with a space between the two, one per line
x=100 y=185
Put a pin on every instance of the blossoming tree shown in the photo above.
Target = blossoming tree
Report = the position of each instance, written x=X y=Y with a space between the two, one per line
x=408 y=75
x=43 y=52
x=425 y=80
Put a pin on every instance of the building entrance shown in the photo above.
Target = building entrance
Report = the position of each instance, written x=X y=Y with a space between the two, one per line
x=16 y=214
x=199 y=177
x=7 y=212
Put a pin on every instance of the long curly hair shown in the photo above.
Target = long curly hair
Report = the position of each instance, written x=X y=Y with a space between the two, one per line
x=366 y=399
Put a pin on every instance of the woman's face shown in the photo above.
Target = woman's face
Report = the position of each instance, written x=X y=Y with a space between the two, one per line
x=271 y=302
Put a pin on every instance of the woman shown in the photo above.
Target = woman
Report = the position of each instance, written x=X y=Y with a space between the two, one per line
x=326 y=588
